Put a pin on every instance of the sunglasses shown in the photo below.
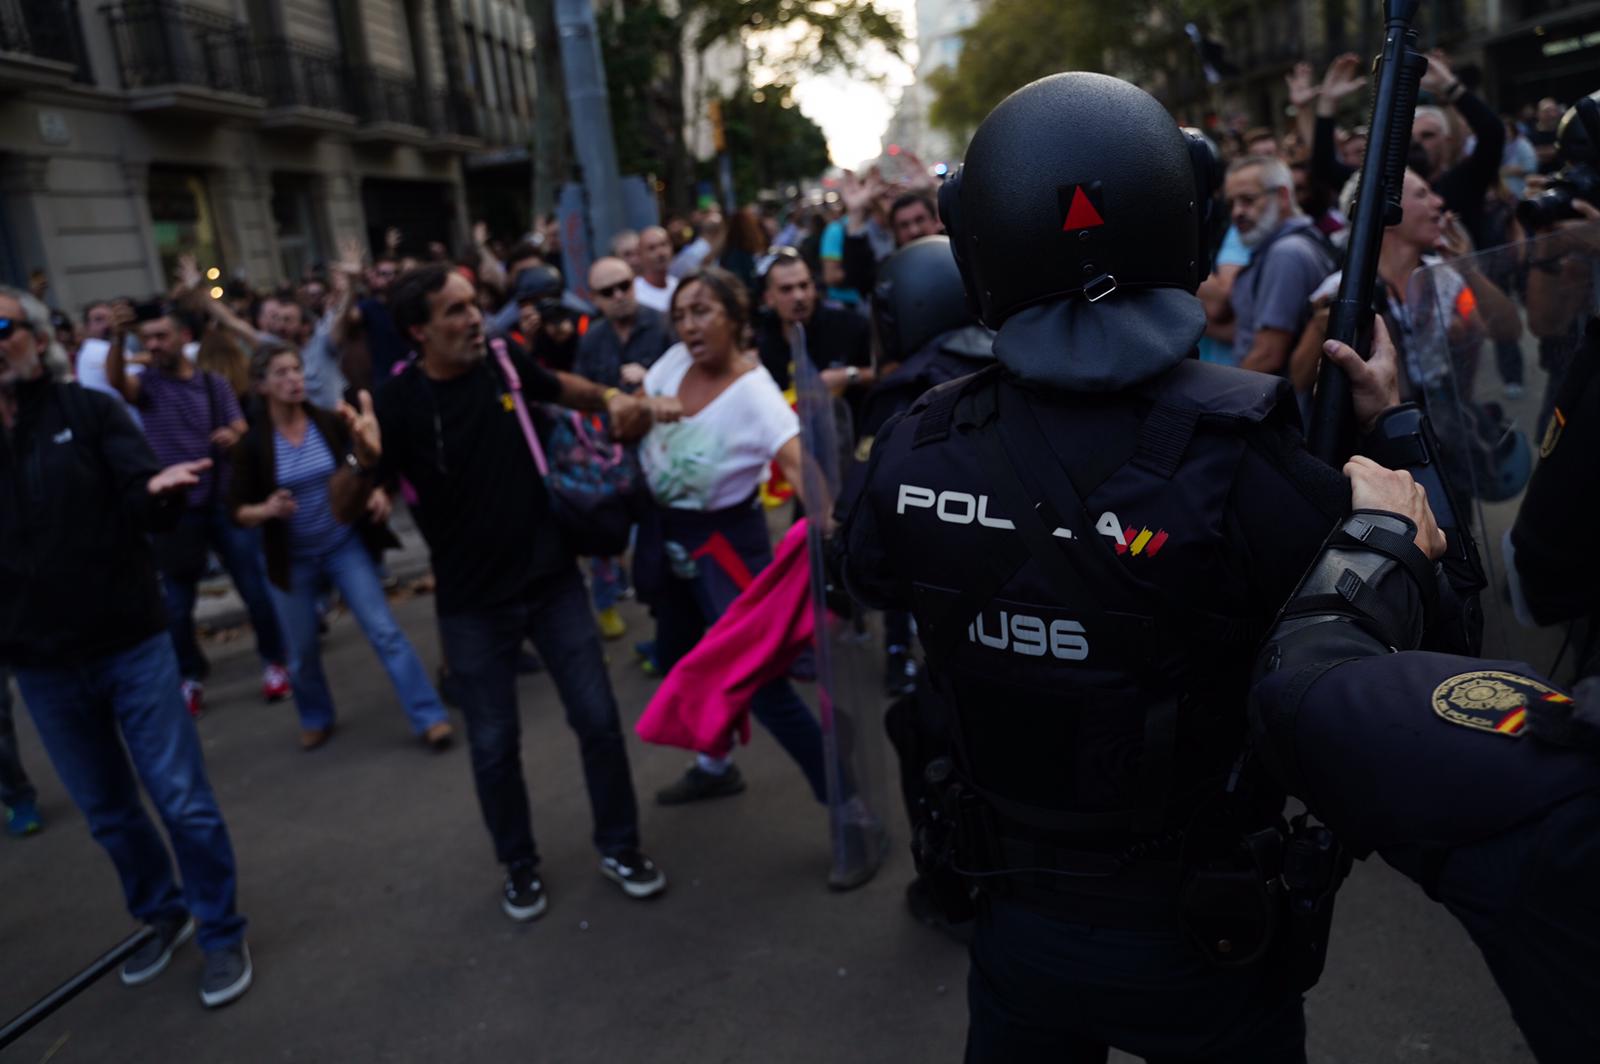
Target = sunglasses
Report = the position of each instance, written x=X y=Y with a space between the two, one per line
x=613 y=289
x=8 y=327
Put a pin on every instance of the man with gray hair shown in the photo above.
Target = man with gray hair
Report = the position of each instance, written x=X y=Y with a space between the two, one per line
x=1461 y=179
x=1289 y=258
x=102 y=684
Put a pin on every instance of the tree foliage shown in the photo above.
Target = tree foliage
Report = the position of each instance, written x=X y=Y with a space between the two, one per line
x=644 y=41
x=770 y=142
x=1018 y=41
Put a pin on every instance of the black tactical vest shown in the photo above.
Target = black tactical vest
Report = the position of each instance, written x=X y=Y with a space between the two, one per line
x=1082 y=614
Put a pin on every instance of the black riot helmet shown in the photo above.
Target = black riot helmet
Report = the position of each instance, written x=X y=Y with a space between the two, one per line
x=919 y=296
x=1077 y=185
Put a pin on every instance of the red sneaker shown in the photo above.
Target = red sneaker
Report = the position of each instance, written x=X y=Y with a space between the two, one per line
x=194 y=696
x=275 y=683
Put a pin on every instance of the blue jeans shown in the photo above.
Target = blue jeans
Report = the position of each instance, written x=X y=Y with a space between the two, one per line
x=1043 y=989
x=86 y=714
x=15 y=788
x=607 y=578
x=685 y=608
x=351 y=569
x=482 y=649
x=239 y=550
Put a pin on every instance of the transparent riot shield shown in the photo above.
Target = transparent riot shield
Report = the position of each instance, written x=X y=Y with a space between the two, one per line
x=849 y=645
x=1486 y=342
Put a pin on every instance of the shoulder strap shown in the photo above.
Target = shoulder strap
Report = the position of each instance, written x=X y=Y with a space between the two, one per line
x=514 y=382
x=936 y=409
x=1164 y=436
x=1311 y=232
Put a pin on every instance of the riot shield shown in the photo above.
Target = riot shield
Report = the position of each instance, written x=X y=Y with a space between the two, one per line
x=849 y=644
x=1486 y=342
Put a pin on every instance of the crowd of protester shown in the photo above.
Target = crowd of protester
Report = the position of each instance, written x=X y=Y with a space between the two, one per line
x=268 y=436
x=272 y=433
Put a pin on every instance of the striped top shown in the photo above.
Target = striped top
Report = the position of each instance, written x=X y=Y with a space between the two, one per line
x=305 y=471
x=179 y=418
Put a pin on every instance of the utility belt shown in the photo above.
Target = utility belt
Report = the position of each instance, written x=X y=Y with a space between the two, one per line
x=1244 y=894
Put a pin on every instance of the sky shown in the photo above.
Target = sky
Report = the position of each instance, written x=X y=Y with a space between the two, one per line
x=855 y=112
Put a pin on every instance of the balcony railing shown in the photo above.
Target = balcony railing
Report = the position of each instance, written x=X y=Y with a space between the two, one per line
x=43 y=29
x=161 y=43
x=293 y=75
x=386 y=98
x=451 y=114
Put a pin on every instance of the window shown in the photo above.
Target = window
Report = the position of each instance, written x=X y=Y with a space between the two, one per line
x=182 y=219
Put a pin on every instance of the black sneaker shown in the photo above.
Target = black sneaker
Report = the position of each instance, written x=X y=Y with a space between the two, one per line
x=635 y=873
x=227 y=975
x=697 y=784
x=524 y=893
x=151 y=959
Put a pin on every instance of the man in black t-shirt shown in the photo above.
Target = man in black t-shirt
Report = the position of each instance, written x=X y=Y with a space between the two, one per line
x=448 y=424
x=838 y=341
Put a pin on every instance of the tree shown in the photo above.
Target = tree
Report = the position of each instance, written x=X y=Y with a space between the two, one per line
x=644 y=45
x=1018 y=41
x=770 y=141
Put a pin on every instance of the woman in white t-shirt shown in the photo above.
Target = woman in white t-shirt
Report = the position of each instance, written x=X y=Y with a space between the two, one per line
x=710 y=536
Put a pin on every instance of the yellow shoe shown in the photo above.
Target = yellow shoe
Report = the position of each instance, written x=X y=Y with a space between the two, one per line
x=612 y=626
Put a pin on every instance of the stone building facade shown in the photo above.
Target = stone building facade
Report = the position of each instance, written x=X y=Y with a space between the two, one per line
x=255 y=133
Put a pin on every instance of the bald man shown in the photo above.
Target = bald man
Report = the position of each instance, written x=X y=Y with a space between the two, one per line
x=653 y=287
x=628 y=338
x=625 y=246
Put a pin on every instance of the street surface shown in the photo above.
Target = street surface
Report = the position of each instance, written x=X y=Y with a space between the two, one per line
x=377 y=934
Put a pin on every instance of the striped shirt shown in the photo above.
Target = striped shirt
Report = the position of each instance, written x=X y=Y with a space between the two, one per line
x=305 y=470
x=179 y=418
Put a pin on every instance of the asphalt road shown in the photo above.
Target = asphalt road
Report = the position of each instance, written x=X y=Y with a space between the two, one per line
x=376 y=931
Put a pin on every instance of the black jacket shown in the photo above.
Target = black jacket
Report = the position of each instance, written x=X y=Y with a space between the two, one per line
x=77 y=576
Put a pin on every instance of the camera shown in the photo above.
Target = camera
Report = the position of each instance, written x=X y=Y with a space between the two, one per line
x=1579 y=141
x=1554 y=204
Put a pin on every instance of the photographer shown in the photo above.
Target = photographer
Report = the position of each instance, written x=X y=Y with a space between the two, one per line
x=1477 y=780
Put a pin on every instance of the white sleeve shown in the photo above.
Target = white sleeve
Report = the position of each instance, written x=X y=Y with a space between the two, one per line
x=777 y=420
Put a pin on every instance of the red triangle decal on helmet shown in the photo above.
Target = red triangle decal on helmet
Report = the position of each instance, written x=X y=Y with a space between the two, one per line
x=1081 y=215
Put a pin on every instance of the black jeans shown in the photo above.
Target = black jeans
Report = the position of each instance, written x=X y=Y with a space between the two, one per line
x=482 y=649
x=15 y=787
x=1046 y=991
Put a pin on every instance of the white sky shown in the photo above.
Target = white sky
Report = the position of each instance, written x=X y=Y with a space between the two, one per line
x=855 y=111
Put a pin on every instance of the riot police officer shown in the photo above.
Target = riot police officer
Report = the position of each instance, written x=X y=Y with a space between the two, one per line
x=1478 y=780
x=929 y=335
x=1093 y=535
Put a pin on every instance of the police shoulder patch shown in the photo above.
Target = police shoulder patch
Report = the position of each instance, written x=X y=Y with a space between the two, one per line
x=1491 y=701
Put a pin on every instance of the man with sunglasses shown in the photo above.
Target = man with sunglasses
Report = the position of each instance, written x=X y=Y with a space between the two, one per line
x=628 y=338
x=83 y=492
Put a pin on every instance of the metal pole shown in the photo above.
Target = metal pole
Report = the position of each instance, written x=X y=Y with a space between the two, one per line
x=35 y=1013
x=591 y=117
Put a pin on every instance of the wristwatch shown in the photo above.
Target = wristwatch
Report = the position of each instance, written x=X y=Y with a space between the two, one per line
x=852 y=374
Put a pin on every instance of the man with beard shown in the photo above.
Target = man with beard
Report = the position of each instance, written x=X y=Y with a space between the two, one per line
x=449 y=424
x=838 y=341
x=189 y=415
x=1270 y=297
